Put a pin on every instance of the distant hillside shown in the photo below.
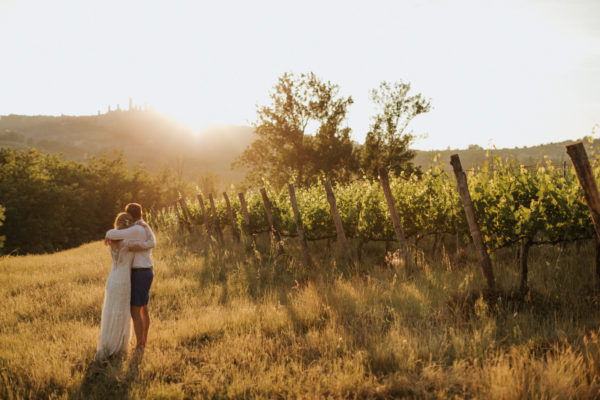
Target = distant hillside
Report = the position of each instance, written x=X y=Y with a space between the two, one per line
x=158 y=142
x=476 y=156
x=145 y=137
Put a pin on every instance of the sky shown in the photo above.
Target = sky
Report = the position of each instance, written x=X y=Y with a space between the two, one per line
x=498 y=73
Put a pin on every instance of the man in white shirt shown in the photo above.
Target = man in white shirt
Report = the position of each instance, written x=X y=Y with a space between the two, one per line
x=142 y=273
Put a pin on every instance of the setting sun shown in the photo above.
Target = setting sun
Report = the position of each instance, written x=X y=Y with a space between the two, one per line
x=212 y=63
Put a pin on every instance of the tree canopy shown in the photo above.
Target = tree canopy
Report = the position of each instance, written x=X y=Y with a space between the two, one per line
x=387 y=142
x=301 y=134
x=52 y=204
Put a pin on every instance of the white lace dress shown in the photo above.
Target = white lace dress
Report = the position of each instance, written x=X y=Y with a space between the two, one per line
x=115 y=331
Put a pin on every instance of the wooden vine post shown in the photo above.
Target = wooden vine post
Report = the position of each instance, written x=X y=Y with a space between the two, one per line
x=187 y=214
x=463 y=190
x=341 y=236
x=180 y=219
x=234 y=232
x=299 y=226
x=167 y=214
x=168 y=208
x=204 y=217
x=586 y=178
x=597 y=246
x=155 y=218
x=172 y=211
x=389 y=198
x=215 y=218
x=276 y=238
x=175 y=211
x=587 y=181
x=162 y=215
x=523 y=255
x=246 y=215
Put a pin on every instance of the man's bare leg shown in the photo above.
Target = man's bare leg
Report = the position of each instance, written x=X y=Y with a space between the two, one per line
x=146 y=321
x=138 y=326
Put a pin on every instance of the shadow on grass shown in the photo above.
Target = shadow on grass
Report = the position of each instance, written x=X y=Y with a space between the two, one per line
x=106 y=379
x=502 y=302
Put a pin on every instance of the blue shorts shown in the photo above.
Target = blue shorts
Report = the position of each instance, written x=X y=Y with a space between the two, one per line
x=141 y=280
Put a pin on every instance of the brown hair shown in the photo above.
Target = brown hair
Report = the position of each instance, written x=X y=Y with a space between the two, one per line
x=135 y=210
x=124 y=220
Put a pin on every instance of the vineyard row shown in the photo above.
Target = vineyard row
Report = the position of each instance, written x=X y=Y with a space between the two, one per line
x=497 y=209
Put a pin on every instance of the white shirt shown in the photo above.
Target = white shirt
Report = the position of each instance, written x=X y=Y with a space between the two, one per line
x=140 y=236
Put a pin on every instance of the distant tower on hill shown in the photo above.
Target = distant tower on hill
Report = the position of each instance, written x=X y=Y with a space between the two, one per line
x=118 y=107
x=130 y=104
x=109 y=108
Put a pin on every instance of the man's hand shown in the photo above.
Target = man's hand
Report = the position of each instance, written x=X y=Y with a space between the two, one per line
x=136 y=247
x=141 y=222
x=107 y=242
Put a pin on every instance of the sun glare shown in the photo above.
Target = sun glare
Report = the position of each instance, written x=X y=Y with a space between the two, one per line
x=471 y=58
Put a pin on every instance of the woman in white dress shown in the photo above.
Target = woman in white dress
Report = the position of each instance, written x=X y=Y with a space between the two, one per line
x=115 y=331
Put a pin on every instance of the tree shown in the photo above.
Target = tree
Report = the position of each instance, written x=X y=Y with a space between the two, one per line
x=286 y=149
x=42 y=195
x=387 y=142
x=332 y=150
x=52 y=204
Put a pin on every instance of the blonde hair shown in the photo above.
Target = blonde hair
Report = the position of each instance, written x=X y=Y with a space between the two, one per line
x=123 y=221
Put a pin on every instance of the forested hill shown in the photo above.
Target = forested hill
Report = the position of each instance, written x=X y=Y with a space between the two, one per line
x=144 y=136
x=475 y=156
x=157 y=142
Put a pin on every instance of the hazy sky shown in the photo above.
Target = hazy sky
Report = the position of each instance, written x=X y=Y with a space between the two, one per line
x=503 y=73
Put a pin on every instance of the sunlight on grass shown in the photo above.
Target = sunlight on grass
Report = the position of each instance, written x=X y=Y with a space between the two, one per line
x=226 y=324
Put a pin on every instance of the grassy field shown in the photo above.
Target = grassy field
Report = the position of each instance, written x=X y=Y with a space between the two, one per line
x=231 y=324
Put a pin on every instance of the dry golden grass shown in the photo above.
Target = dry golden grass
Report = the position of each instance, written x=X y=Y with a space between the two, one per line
x=226 y=324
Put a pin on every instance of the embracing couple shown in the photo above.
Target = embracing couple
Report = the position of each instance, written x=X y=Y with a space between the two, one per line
x=127 y=287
